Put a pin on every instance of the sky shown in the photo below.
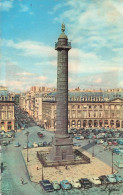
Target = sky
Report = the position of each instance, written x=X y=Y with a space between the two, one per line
x=30 y=28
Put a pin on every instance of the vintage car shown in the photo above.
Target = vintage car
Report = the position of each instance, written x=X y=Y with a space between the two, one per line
x=76 y=183
x=65 y=185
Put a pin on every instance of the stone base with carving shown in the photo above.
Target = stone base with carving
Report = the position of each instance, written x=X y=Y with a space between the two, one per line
x=62 y=149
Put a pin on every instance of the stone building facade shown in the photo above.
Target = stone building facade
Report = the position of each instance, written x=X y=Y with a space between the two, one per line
x=87 y=111
x=7 y=113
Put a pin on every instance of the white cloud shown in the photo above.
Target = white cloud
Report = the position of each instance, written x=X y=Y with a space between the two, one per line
x=24 y=8
x=6 y=5
x=25 y=74
x=42 y=78
x=31 y=48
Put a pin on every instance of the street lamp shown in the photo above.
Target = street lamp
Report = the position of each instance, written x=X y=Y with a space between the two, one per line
x=93 y=149
x=27 y=134
x=112 y=162
x=42 y=172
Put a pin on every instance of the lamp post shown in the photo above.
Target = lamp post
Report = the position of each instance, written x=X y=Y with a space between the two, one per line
x=42 y=172
x=27 y=134
x=93 y=149
x=112 y=163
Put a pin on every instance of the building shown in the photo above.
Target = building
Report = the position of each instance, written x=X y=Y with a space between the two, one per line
x=87 y=109
x=31 y=101
x=7 y=118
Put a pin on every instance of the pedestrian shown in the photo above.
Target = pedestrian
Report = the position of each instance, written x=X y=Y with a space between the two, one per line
x=37 y=167
x=66 y=167
x=22 y=181
x=9 y=141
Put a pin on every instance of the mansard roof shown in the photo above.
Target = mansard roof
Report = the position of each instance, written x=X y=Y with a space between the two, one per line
x=104 y=95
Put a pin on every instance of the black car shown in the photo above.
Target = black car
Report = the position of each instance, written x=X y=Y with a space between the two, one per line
x=47 y=186
x=45 y=143
x=40 y=134
x=85 y=183
x=103 y=179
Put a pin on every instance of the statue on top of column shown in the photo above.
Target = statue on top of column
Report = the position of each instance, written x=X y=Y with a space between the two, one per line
x=63 y=27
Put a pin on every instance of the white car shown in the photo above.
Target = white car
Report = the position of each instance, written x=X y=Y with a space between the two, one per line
x=76 y=183
x=56 y=185
x=35 y=145
x=101 y=141
x=95 y=180
x=81 y=137
x=9 y=136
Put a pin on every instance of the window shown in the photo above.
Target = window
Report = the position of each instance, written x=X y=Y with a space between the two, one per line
x=72 y=106
x=89 y=106
x=112 y=107
x=106 y=113
x=106 y=107
x=112 y=114
x=118 y=107
x=100 y=106
x=73 y=114
x=79 y=114
x=78 y=106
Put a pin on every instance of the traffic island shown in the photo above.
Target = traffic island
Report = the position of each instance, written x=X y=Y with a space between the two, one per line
x=38 y=172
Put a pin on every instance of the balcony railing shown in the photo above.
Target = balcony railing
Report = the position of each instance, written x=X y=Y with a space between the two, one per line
x=58 y=44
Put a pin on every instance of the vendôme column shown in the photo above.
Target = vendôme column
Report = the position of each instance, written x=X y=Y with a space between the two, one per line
x=62 y=143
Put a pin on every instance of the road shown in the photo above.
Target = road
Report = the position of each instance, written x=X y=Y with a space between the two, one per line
x=15 y=169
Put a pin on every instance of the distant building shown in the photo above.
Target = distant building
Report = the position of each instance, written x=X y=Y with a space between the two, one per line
x=7 y=118
x=86 y=108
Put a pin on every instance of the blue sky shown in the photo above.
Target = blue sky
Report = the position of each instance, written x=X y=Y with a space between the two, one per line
x=30 y=28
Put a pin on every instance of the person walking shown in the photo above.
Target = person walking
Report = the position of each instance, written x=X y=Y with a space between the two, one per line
x=22 y=181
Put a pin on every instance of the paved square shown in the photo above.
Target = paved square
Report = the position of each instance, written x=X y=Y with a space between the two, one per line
x=95 y=168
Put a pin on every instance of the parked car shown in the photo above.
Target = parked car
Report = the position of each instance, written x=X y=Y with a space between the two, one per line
x=95 y=180
x=4 y=143
x=29 y=146
x=40 y=134
x=81 y=137
x=102 y=141
x=111 y=178
x=49 y=143
x=77 y=144
x=35 y=145
x=118 y=177
x=85 y=183
x=77 y=137
x=120 y=141
x=76 y=183
x=56 y=185
x=45 y=144
x=65 y=185
x=47 y=186
x=114 y=143
x=17 y=144
x=103 y=179
x=110 y=143
x=40 y=144
x=119 y=164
